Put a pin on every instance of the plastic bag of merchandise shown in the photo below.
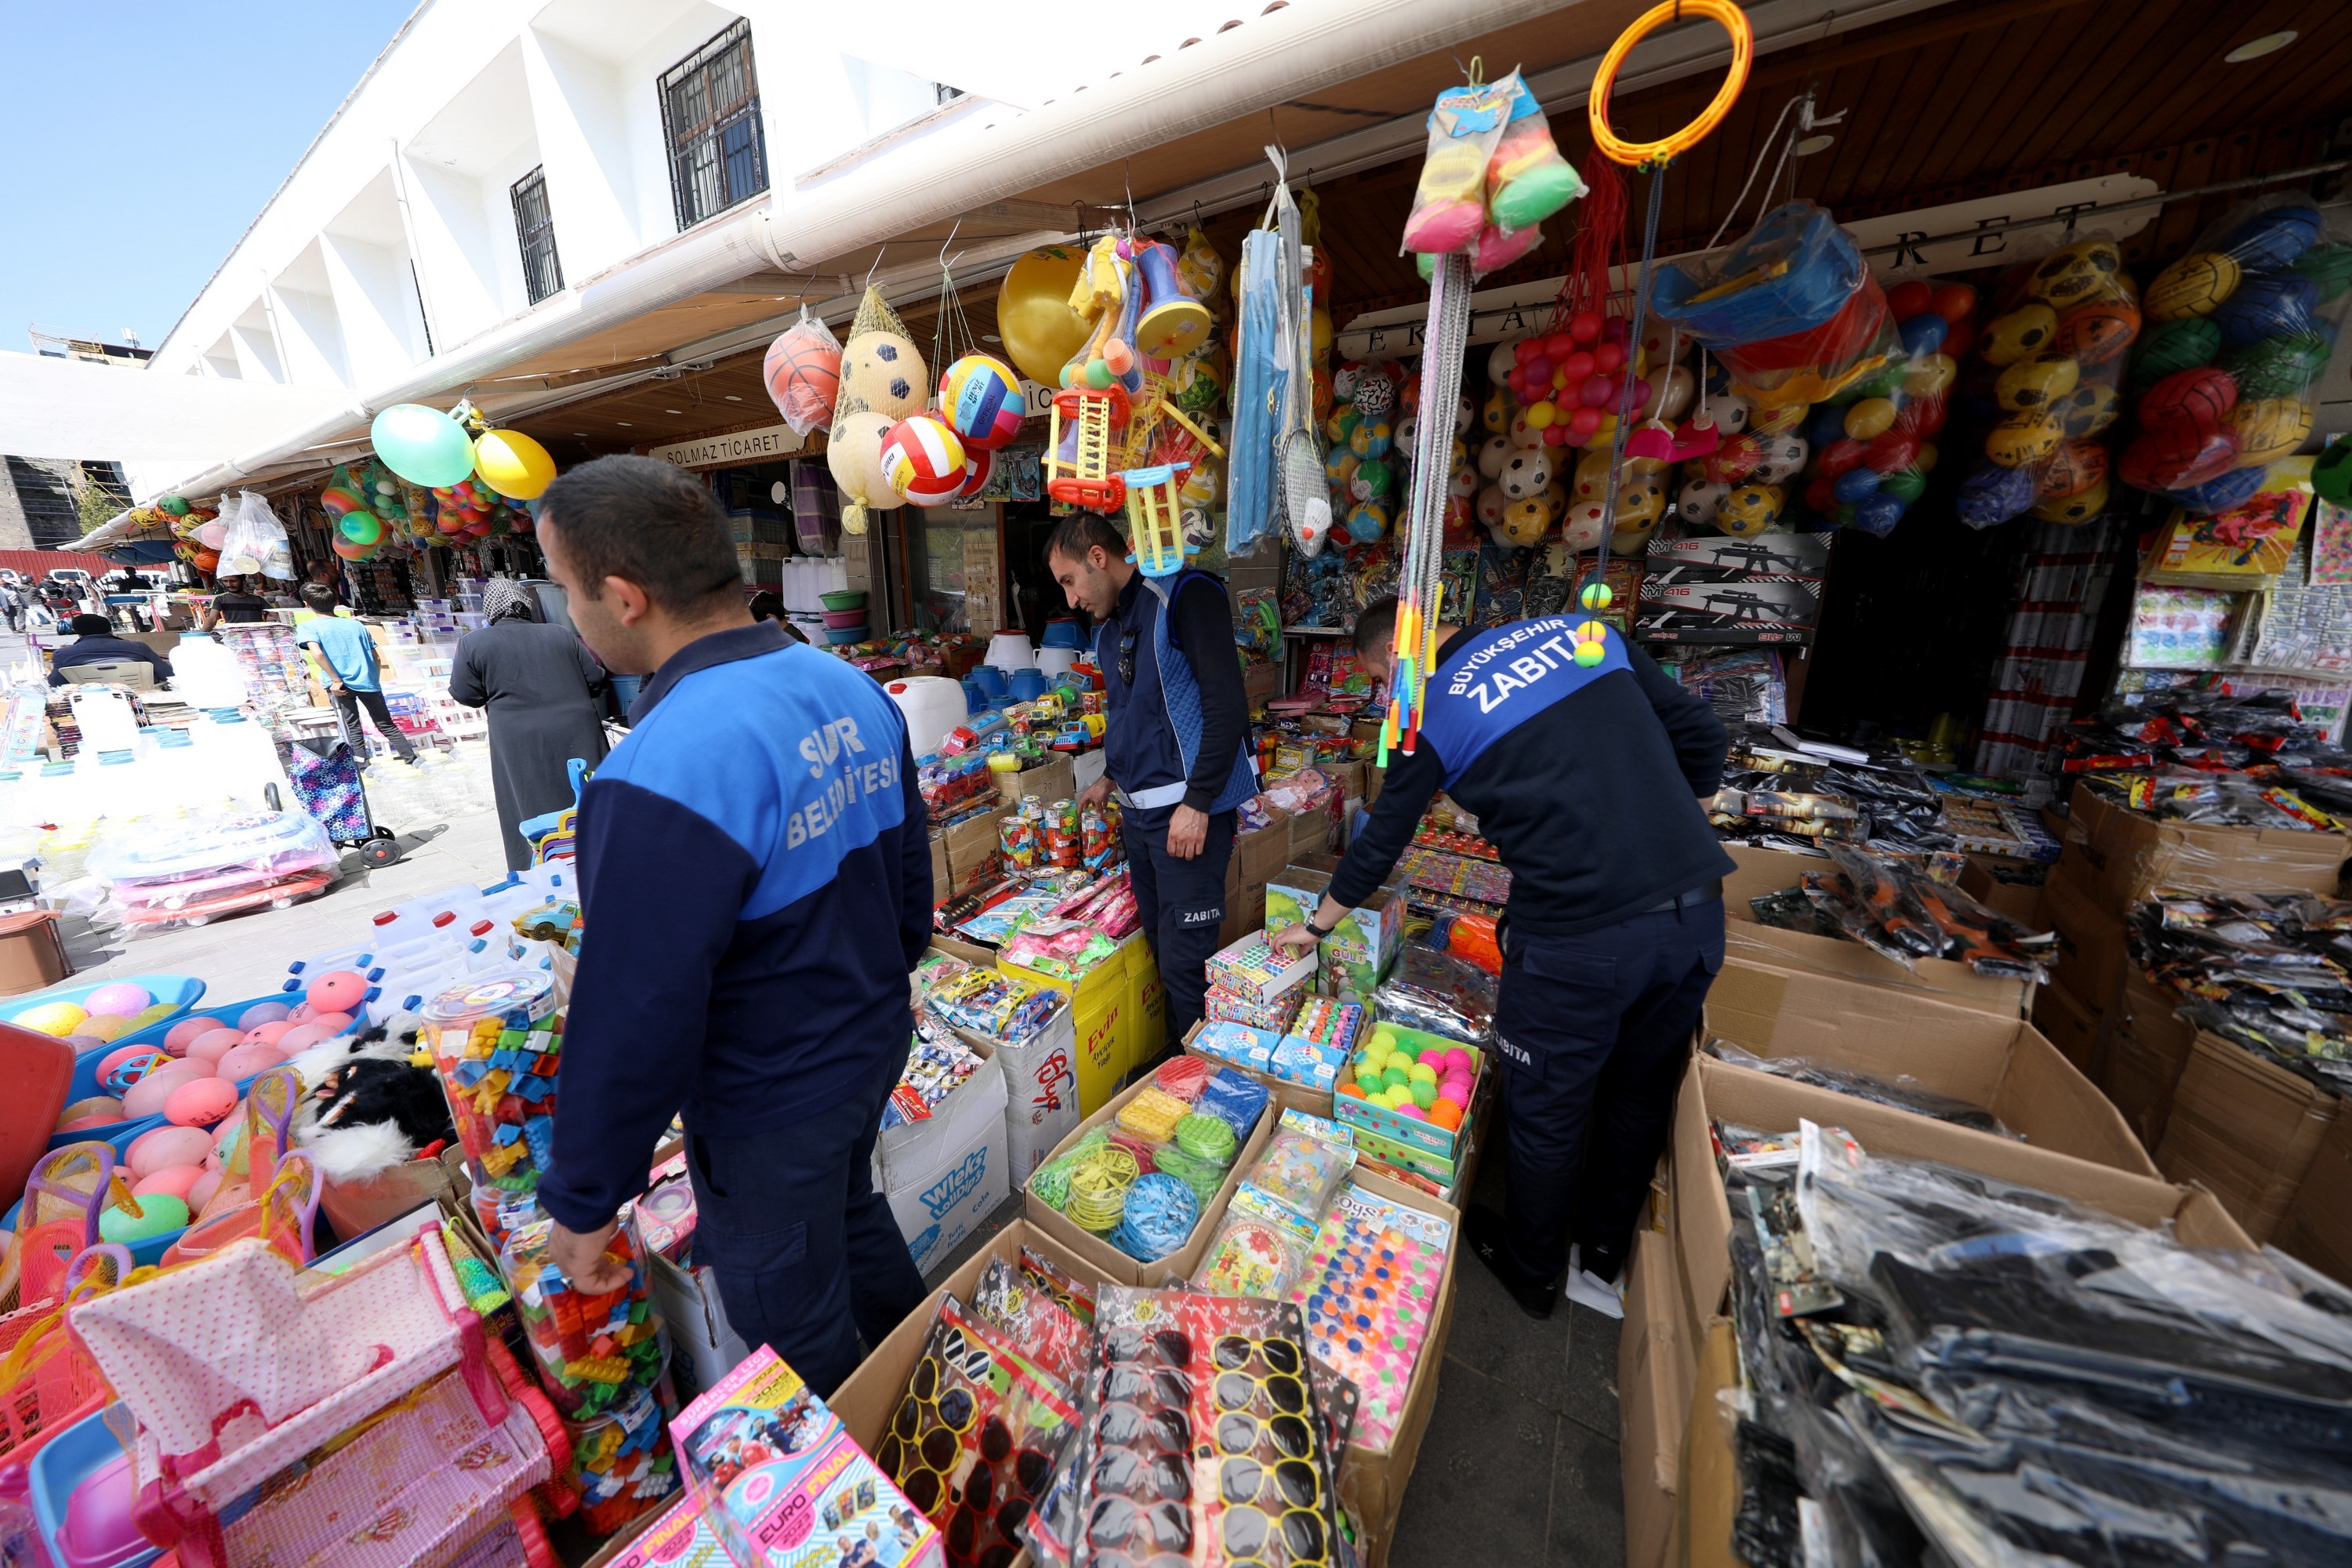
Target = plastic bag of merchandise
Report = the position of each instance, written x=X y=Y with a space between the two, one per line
x=2238 y=331
x=256 y=539
x=1449 y=202
x=803 y=372
x=1872 y=444
x=1439 y=992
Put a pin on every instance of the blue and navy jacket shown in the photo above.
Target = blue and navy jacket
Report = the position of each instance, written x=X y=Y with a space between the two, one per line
x=1179 y=732
x=1585 y=778
x=755 y=884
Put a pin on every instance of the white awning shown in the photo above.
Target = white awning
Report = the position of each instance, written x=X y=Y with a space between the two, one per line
x=52 y=407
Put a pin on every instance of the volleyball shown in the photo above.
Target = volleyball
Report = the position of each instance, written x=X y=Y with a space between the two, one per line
x=923 y=461
x=980 y=398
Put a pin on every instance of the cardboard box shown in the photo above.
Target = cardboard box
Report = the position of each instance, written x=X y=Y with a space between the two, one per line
x=1765 y=871
x=2001 y=1063
x=2091 y=957
x=2127 y=855
x=1104 y=1261
x=1656 y=1368
x=1147 y=1007
x=972 y=849
x=2318 y=1226
x=2142 y=1048
x=945 y=1177
x=1041 y=1089
x=2071 y=1025
x=2246 y=1128
x=1708 y=1469
x=1701 y=1216
x=1056 y=780
x=1099 y=1002
x=1258 y=856
x=704 y=1347
x=1281 y=1093
x=942 y=888
x=1985 y=878
x=1311 y=831
x=1261 y=683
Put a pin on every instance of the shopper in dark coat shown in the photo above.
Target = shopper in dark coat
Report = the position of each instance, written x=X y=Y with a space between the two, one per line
x=539 y=682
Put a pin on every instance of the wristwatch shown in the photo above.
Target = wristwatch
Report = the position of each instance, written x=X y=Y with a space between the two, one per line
x=1321 y=932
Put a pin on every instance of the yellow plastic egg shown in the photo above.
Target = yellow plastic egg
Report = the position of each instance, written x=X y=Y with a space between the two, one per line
x=1869 y=417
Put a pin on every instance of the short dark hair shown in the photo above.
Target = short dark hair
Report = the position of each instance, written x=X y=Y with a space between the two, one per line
x=650 y=522
x=1083 y=530
x=90 y=626
x=1376 y=624
x=320 y=598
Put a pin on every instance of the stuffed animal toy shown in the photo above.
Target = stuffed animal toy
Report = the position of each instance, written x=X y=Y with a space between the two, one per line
x=371 y=1101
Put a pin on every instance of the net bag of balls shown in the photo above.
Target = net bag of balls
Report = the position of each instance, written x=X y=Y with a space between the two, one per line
x=2239 y=330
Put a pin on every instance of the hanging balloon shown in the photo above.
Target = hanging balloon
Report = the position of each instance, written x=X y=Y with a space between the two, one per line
x=350 y=550
x=512 y=464
x=336 y=501
x=422 y=446
x=359 y=527
x=1034 y=315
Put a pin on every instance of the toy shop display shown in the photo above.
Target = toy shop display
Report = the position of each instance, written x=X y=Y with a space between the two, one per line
x=1144 y=1180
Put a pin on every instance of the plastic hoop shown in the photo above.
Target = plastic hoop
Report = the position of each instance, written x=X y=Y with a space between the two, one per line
x=1638 y=154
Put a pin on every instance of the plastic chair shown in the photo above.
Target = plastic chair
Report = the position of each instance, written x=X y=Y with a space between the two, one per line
x=135 y=673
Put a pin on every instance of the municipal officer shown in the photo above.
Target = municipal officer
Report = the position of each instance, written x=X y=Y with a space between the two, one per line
x=755 y=887
x=1588 y=780
x=1176 y=745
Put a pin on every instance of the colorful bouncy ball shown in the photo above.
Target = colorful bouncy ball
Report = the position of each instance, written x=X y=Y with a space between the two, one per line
x=512 y=464
x=422 y=446
x=981 y=399
x=922 y=460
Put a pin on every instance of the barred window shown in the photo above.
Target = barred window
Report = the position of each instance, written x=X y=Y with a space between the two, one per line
x=542 y=271
x=710 y=118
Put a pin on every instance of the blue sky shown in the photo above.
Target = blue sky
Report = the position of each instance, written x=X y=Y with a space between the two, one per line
x=137 y=141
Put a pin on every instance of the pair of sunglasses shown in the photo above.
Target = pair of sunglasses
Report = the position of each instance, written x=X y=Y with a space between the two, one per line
x=1132 y=1426
x=1234 y=1352
x=1167 y=1347
x=1116 y=1522
x=1248 y=1532
x=1292 y=1483
x=1284 y=1394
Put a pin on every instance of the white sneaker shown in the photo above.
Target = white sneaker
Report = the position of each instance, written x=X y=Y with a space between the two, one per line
x=1606 y=1297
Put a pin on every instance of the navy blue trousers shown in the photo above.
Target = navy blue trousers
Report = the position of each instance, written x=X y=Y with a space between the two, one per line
x=808 y=1255
x=1182 y=903
x=1594 y=1032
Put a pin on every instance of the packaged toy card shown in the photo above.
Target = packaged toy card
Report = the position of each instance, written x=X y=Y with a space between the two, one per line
x=780 y=1485
x=975 y=1441
x=1073 y=1295
x=1258 y=1250
x=1252 y=968
x=1237 y=1043
x=1303 y=1164
x=1370 y=1288
x=1031 y=1317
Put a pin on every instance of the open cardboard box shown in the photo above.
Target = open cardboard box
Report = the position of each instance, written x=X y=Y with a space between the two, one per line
x=2317 y=1227
x=2143 y=1045
x=2128 y=854
x=1701 y=1216
x=1655 y=1370
x=2245 y=1127
x=1765 y=871
x=2002 y=1064
x=1104 y=1261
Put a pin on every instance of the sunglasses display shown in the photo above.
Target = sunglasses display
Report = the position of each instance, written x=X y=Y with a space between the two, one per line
x=1054 y=1338
x=1205 y=1441
x=977 y=1435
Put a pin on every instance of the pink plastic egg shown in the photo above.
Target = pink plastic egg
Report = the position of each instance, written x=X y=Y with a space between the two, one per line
x=303 y=1013
x=153 y=1151
x=244 y=1061
x=201 y=1103
x=337 y=991
x=176 y=1181
x=120 y=999
x=332 y=1023
x=267 y=1034
x=208 y=1047
x=301 y=1037
x=148 y=1096
x=207 y=1183
x=262 y=1012
x=186 y=1032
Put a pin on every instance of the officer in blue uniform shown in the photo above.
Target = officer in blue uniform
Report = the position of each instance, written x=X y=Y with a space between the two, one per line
x=1175 y=746
x=1588 y=780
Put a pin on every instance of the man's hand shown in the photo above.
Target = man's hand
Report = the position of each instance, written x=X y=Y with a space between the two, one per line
x=1188 y=833
x=1096 y=792
x=1292 y=939
x=581 y=1258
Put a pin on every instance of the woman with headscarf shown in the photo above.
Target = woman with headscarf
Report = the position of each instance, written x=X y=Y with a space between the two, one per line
x=539 y=682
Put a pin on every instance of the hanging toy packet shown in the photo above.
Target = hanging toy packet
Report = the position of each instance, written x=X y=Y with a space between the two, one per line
x=1492 y=173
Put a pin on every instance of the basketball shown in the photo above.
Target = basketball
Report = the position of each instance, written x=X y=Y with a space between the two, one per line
x=980 y=398
x=2267 y=308
x=2096 y=333
x=802 y=373
x=2197 y=400
x=2172 y=348
x=2078 y=272
x=2037 y=381
x=2075 y=467
x=2193 y=286
x=884 y=372
x=2273 y=239
x=2269 y=428
x=2023 y=439
x=923 y=461
x=2027 y=330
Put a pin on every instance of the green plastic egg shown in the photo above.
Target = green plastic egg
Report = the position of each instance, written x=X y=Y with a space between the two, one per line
x=163 y=1214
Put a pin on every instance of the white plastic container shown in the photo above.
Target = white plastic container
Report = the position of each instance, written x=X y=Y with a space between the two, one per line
x=933 y=705
x=1011 y=650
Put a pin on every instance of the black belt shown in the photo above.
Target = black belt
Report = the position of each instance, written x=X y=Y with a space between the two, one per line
x=1685 y=901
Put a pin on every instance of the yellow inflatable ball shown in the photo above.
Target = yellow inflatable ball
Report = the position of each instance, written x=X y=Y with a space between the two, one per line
x=2080 y=507
x=2025 y=439
x=2196 y=285
x=59 y=1018
x=1034 y=315
x=2082 y=271
x=1929 y=375
x=885 y=372
x=2269 y=428
x=1495 y=413
x=854 y=455
x=1527 y=521
x=1748 y=510
x=2027 y=330
x=513 y=463
x=2038 y=380
x=1592 y=475
x=2087 y=410
x=1870 y=416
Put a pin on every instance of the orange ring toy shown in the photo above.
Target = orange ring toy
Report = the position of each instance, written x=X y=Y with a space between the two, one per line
x=1641 y=154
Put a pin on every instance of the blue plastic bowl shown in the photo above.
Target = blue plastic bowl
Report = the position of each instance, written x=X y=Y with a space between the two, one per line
x=841 y=636
x=85 y=1078
x=61 y=1465
x=183 y=991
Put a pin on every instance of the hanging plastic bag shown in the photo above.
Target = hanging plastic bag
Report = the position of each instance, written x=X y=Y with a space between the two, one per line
x=1449 y=204
x=802 y=373
x=1791 y=311
x=255 y=540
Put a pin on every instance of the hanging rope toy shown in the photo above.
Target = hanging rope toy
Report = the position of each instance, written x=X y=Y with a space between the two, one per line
x=1656 y=154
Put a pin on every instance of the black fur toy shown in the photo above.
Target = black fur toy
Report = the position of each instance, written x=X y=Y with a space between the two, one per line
x=370 y=1101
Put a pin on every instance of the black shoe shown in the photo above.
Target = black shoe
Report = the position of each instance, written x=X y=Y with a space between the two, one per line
x=1483 y=1229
